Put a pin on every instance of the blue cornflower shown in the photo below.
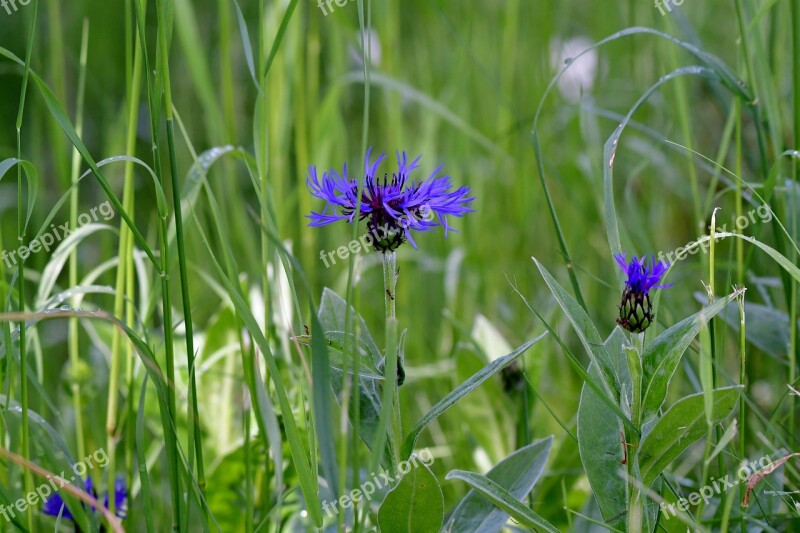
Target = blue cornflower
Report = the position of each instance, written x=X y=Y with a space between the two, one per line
x=393 y=207
x=55 y=503
x=636 y=309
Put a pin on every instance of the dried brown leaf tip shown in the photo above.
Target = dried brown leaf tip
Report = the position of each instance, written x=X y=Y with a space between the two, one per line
x=756 y=478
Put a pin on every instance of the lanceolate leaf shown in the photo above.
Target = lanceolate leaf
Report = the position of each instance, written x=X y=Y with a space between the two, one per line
x=600 y=442
x=504 y=500
x=517 y=473
x=332 y=315
x=680 y=426
x=662 y=356
x=462 y=390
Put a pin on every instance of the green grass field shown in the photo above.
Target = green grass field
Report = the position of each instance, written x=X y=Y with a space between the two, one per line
x=184 y=352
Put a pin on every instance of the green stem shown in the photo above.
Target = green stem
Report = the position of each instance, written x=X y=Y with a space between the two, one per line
x=390 y=408
x=73 y=346
x=742 y=402
x=794 y=358
x=635 y=503
x=390 y=293
x=21 y=228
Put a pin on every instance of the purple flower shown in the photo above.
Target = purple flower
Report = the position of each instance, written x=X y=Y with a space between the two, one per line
x=55 y=503
x=636 y=309
x=392 y=206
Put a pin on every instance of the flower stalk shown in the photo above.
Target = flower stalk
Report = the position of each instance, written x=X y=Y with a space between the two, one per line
x=391 y=357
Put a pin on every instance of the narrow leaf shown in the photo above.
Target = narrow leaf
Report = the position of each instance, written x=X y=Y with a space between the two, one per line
x=462 y=390
x=587 y=333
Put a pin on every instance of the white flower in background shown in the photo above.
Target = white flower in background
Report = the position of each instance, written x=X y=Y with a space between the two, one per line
x=579 y=77
x=371 y=40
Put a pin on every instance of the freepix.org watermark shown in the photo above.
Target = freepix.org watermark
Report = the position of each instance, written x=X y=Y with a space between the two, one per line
x=98 y=458
x=716 y=487
x=329 y=3
x=377 y=481
x=741 y=222
x=10 y=5
x=47 y=240
x=667 y=5
x=364 y=243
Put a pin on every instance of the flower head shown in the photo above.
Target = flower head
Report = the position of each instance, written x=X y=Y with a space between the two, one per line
x=54 y=506
x=636 y=310
x=392 y=206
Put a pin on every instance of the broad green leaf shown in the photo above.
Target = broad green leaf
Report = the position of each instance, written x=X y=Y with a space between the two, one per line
x=503 y=499
x=587 y=333
x=787 y=265
x=332 y=316
x=517 y=473
x=680 y=426
x=342 y=359
x=661 y=357
x=462 y=390
x=369 y=410
x=600 y=441
x=414 y=505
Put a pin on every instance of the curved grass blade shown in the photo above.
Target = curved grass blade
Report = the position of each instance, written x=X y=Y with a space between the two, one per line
x=60 y=115
x=33 y=181
x=610 y=151
x=725 y=74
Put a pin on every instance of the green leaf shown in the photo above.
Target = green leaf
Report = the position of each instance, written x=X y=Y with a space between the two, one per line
x=503 y=499
x=680 y=426
x=587 y=333
x=415 y=504
x=300 y=455
x=462 y=390
x=517 y=473
x=661 y=357
x=600 y=442
x=31 y=175
x=332 y=315
x=342 y=359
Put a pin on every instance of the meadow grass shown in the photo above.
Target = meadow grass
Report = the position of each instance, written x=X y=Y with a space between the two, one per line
x=198 y=338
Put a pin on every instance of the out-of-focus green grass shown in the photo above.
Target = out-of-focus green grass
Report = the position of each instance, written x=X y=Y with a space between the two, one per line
x=458 y=83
